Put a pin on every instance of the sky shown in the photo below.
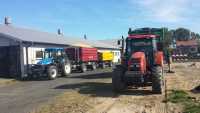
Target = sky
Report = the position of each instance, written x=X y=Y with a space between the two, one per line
x=101 y=19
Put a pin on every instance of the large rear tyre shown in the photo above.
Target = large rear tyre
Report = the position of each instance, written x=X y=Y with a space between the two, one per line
x=157 y=80
x=66 y=69
x=83 y=68
x=52 y=72
x=117 y=79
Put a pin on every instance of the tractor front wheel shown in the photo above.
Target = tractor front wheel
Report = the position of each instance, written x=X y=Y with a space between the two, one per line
x=157 y=79
x=117 y=79
x=52 y=72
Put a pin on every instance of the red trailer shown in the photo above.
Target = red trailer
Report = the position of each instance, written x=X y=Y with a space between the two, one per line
x=82 y=58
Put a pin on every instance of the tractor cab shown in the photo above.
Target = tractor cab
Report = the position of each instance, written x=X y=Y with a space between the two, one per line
x=145 y=45
x=54 y=62
x=50 y=55
x=142 y=62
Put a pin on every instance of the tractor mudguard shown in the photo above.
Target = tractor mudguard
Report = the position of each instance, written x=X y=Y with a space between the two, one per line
x=159 y=57
x=140 y=57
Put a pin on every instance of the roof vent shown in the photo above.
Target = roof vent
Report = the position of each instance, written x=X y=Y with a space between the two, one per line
x=7 y=20
x=85 y=37
x=60 y=32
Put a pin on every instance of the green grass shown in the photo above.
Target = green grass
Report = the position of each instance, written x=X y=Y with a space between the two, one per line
x=181 y=97
x=192 y=108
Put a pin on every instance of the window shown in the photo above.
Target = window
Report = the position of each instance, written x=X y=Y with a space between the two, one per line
x=39 y=54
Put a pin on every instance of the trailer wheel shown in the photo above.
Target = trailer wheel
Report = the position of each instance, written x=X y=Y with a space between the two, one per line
x=83 y=68
x=52 y=72
x=94 y=66
x=103 y=65
x=157 y=79
x=111 y=64
x=117 y=80
x=66 y=69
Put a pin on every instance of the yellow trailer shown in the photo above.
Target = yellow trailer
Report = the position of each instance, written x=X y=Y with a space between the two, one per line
x=106 y=59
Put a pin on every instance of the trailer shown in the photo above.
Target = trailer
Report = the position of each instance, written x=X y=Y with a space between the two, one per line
x=82 y=58
x=105 y=59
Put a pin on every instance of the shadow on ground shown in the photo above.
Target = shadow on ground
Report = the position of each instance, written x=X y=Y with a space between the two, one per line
x=94 y=76
x=96 y=89
x=196 y=89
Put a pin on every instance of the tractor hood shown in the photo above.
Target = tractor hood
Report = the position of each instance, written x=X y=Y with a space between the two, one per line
x=138 y=55
x=137 y=60
x=45 y=61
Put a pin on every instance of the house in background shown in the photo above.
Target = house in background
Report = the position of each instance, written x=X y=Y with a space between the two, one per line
x=186 y=47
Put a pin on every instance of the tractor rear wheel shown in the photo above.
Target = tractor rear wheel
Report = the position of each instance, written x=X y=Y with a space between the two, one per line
x=66 y=69
x=157 y=79
x=52 y=72
x=117 y=79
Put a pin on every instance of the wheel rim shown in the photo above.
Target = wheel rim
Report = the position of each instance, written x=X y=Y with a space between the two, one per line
x=84 y=68
x=94 y=66
x=67 y=69
x=53 y=73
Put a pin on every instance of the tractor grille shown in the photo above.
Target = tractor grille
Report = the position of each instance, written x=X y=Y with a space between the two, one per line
x=135 y=65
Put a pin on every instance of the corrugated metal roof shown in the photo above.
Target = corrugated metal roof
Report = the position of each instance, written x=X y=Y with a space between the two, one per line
x=36 y=36
x=99 y=44
x=112 y=42
x=30 y=35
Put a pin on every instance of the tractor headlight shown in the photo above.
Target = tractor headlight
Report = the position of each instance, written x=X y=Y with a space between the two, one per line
x=137 y=65
x=134 y=66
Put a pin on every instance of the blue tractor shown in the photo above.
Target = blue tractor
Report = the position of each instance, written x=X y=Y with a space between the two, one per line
x=55 y=62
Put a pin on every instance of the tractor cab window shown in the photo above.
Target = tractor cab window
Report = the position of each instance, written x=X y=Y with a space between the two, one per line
x=146 y=45
x=134 y=45
x=52 y=54
x=46 y=55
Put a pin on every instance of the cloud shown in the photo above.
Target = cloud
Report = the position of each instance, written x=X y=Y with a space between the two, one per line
x=164 y=11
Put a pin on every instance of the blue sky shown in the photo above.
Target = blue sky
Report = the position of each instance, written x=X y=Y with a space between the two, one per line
x=101 y=19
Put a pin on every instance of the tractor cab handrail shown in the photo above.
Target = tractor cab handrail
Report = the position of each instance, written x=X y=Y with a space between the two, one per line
x=141 y=36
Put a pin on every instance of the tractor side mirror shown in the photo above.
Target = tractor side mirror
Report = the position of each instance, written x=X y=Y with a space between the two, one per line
x=118 y=42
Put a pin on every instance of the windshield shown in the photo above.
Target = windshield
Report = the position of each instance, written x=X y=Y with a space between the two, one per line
x=134 y=45
x=52 y=54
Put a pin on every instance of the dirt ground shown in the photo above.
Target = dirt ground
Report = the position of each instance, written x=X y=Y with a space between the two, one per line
x=97 y=96
x=6 y=81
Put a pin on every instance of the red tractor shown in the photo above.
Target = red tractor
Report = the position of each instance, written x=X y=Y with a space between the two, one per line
x=142 y=63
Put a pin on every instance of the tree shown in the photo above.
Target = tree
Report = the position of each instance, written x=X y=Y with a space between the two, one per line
x=182 y=34
x=168 y=40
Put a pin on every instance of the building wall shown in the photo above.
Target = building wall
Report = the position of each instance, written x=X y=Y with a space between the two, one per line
x=32 y=59
x=6 y=42
x=186 y=49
